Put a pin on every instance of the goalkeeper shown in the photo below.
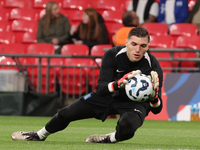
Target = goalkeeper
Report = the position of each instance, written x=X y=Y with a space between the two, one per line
x=119 y=64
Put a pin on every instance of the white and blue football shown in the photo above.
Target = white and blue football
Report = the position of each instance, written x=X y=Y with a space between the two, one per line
x=139 y=88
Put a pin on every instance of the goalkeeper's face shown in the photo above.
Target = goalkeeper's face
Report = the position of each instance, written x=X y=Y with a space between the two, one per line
x=136 y=47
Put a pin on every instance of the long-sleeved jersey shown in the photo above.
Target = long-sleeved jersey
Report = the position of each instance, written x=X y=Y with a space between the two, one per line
x=115 y=64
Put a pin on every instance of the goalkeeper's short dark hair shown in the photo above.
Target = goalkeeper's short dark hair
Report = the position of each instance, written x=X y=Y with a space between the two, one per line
x=139 y=32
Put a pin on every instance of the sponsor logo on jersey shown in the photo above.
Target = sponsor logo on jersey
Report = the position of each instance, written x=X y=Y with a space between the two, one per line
x=119 y=71
x=137 y=110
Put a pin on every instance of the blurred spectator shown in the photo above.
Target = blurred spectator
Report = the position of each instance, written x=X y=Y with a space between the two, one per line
x=173 y=11
x=194 y=16
x=130 y=20
x=53 y=27
x=146 y=10
x=91 y=31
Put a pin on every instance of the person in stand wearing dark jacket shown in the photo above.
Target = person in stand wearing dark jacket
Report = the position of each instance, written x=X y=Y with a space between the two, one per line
x=91 y=31
x=54 y=27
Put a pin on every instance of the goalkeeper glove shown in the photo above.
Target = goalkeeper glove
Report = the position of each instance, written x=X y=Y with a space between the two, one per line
x=122 y=82
x=155 y=82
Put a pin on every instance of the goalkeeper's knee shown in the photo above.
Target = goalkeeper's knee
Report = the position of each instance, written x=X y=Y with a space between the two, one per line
x=127 y=125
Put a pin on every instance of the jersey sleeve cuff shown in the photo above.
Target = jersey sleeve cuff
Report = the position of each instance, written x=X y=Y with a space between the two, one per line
x=155 y=104
x=111 y=87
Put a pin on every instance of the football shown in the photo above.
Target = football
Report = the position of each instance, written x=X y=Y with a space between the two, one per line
x=139 y=88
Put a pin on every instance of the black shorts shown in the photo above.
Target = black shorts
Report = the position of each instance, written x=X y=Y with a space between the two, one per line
x=107 y=105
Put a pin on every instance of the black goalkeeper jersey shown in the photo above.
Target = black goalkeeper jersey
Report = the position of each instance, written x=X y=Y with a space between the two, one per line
x=115 y=64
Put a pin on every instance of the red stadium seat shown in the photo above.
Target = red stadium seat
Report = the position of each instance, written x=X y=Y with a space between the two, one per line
x=102 y=5
x=155 y=28
x=75 y=75
x=74 y=15
x=14 y=48
x=183 y=29
x=7 y=63
x=29 y=38
x=11 y=49
x=75 y=4
x=72 y=49
x=4 y=26
x=23 y=14
x=41 y=4
x=17 y=3
x=24 y=26
x=4 y=14
x=7 y=37
x=42 y=49
x=19 y=27
x=162 y=41
x=192 y=42
x=112 y=16
x=97 y=50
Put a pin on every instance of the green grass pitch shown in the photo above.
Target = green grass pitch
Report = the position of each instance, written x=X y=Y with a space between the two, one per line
x=152 y=135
